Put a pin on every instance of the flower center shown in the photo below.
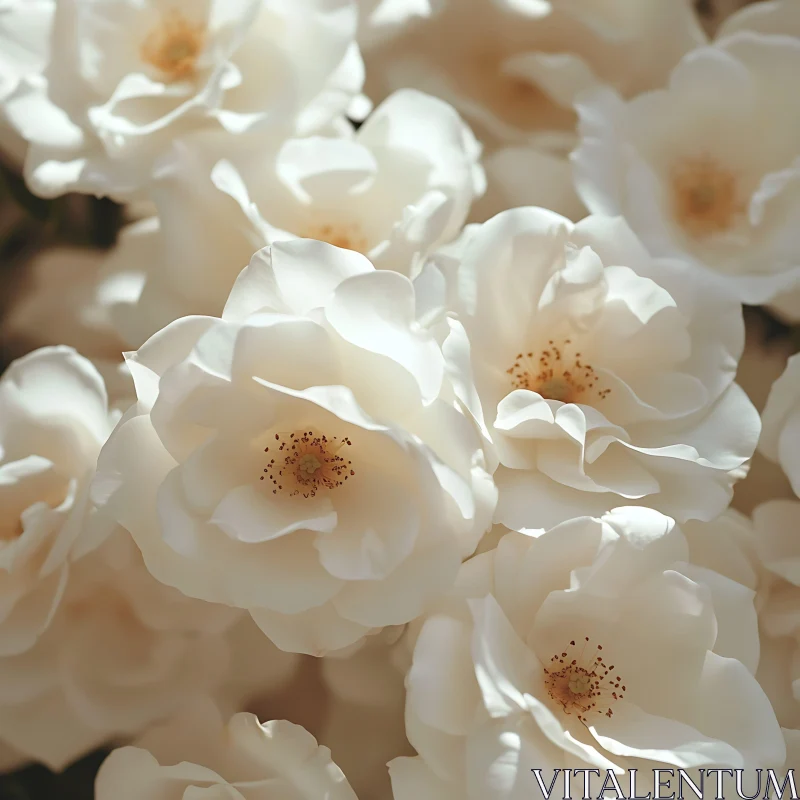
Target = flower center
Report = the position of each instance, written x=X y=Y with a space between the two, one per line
x=173 y=46
x=348 y=236
x=581 y=683
x=556 y=375
x=305 y=462
x=516 y=101
x=705 y=197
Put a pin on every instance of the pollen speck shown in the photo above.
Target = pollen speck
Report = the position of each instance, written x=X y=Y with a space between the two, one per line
x=347 y=235
x=306 y=462
x=581 y=683
x=557 y=372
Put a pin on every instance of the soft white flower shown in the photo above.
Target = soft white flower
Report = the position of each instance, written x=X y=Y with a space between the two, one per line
x=708 y=168
x=396 y=189
x=24 y=33
x=600 y=647
x=599 y=374
x=121 y=652
x=196 y=754
x=59 y=305
x=780 y=437
x=514 y=67
x=54 y=419
x=148 y=72
x=300 y=457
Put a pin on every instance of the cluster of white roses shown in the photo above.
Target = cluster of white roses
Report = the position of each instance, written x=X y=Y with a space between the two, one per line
x=427 y=428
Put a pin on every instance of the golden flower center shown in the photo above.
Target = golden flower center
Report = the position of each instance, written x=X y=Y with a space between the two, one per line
x=306 y=462
x=705 y=197
x=174 y=46
x=581 y=683
x=556 y=373
x=348 y=236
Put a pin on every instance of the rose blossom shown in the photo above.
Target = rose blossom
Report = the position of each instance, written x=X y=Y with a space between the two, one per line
x=147 y=72
x=597 y=373
x=300 y=457
x=24 y=31
x=707 y=168
x=513 y=69
x=54 y=418
x=780 y=438
x=594 y=645
x=395 y=189
x=196 y=753
x=121 y=652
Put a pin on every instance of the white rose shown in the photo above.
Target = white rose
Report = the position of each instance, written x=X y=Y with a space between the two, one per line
x=196 y=754
x=600 y=647
x=598 y=373
x=780 y=437
x=54 y=419
x=513 y=70
x=707 y=168
x=300 y=457
x=121 y=652
x=395 y=189
x=148 y=72
x=24 y=31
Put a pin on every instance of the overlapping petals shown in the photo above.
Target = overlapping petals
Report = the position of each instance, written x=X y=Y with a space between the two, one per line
x=395 y=190
x=706 y=169
x=101 y=113
x=514 y=69
x=300 y=457
x=196 y=753
x=121 y=652
x=54 y=419
x=595 y=371
x=593 y=645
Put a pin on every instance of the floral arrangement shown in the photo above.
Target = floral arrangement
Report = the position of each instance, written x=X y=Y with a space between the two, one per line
x=401 y=446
